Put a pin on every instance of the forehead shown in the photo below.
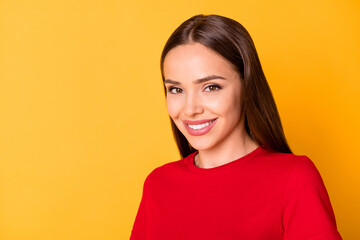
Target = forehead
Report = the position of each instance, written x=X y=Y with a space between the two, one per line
x=194 y=61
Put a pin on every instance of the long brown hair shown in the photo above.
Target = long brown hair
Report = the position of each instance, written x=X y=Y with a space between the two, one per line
x=230 y=39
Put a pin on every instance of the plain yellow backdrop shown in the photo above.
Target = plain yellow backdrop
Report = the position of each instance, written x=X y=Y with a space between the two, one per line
x=83 y=117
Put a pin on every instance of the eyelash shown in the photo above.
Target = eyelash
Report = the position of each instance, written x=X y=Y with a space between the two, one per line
x=173 y=88
x=212 y=85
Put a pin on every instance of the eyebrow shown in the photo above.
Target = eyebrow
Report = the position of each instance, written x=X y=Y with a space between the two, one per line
x=197 y=81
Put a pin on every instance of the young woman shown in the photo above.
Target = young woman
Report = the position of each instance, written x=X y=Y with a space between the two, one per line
x=237 y=178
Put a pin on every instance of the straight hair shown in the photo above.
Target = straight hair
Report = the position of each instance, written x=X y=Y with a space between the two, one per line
x=231 y=40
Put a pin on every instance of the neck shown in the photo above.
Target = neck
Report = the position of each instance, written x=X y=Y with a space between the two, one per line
x=225 y=152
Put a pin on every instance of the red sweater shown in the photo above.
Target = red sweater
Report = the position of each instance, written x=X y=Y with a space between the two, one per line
x=261 y=196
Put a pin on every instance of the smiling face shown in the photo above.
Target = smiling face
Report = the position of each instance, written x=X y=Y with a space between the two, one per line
x=203 y=96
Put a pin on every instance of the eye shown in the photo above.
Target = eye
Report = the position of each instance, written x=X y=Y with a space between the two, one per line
x=212 y=88
x=175 y=90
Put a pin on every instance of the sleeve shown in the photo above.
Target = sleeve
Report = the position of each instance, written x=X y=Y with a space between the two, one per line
x=308 y=214
x=140 y=225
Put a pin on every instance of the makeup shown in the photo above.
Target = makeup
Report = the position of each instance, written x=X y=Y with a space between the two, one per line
x=199 y=127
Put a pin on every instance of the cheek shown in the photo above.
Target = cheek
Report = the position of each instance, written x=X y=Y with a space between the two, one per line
x=225 y=104
x=173 y=107
x=228 y=106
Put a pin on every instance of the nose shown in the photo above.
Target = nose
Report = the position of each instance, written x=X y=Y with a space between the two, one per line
x=193 y=104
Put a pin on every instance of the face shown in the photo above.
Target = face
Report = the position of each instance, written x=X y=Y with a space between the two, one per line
x=203 y=96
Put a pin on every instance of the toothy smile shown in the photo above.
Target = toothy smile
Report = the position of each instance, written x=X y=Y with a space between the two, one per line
x=200 y=126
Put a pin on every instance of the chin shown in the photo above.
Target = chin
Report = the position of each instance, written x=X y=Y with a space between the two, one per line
x=201 y=145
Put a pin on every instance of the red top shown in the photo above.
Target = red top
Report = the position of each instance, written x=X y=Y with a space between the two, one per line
x=261 y=196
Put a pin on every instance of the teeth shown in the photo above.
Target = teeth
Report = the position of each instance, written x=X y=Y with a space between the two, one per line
x=200 y=125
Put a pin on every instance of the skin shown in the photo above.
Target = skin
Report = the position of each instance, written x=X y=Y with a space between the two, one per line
x=217 y=95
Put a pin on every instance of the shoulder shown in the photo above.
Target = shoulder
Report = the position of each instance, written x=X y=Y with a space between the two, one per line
x=293 y=172
x=300 y=168
x=297 y=172
x=286 y=158
x=305 y=177
x=285 y=163
x=168 y=170
x=307 y=209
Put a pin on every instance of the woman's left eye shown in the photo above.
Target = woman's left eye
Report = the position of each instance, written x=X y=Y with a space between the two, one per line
x=212 y=88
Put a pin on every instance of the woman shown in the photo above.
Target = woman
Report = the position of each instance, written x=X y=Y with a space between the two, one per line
x=237 y=178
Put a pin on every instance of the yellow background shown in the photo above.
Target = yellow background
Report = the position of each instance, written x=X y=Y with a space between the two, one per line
x=83 y=117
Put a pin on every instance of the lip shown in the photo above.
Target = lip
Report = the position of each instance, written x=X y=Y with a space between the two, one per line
x=202 y=131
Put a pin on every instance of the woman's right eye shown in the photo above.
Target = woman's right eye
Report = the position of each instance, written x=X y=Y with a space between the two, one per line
x=175 y=90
